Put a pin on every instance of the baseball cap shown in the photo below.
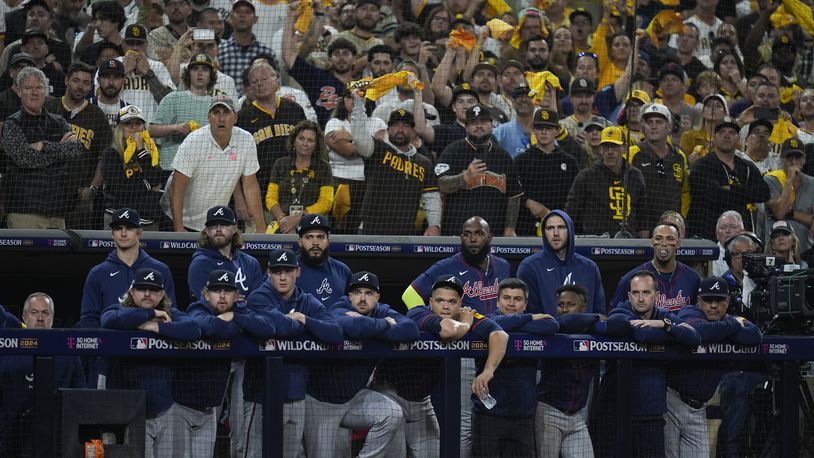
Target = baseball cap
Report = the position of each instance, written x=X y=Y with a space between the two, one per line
x=244 y=3
x=222 y=100
x=149 y=277
x=41 y=3
x=486 y=65
x=727 y=122
x=34 y=33
x=461 y=90
x=201 y=59
x=713 y=287
x=520 y=90
x=131 y=112
x=612 y=134
x=21 y=57
x=125 y=216
x=220 y=214
x=582 y=85
x=671 y=68
x=717 y=96
x=112 y=66
x=638 y=94
x=656 y=109
x=543 y=117
x=783 y=42
x=364 y=279
x=135 y=32
x=312 y=221
x=401 y=115
x=372 y=2
x=449 y=281
x=780 y=226
x=597 y=121
x=222 y=278
x=580 y=12
x=282 y=258
x=760 y=122
x=478 y=112
x=512 y=63
x=792 y=145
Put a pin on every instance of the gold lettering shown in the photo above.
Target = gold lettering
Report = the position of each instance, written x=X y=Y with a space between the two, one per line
x=619 y=202
x=387 y=157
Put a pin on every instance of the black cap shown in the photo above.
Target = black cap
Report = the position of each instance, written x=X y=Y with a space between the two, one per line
x=713 y=287
x=792 y=145
x=221 y=277
x=135 y=32
x=520 y=90
x=463 y=89
x=220 y=214
x=582 y=85
x=760 y=122
x=282 y=258
x=401 y=115
x=487 y=66
x=580 y=12
x=125 y=216
x=311 y=221
x=449 y=281
x=41 y=3
x=727 y=122
x=21 y=57
x=784 y=42
x=671 y=68
x=781 y=226
x=512 y=63
x=34 y=33
x=478 y=112
x=149 y=277
x=112 y=66
x=364 y=279
x=372 y=2
x=201 y=59
x=543 y=117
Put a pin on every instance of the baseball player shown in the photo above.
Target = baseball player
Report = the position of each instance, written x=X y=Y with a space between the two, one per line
x=146 y=307
x=507 y=429
x=338 y=400
x=321 y=275
x=691 y=384
x=293 y=313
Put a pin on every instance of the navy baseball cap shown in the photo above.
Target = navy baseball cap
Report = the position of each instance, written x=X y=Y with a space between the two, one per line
x=311 y=221
x=364 y=279
x=126 y=216
x=713 y=287
x=449 y=281
x=149 y=277
x=282 y=258
x=114 y=66
x=220 y=214
x=222 y=278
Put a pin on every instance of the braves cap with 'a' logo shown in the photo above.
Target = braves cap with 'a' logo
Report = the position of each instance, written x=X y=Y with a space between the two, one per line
x=713 y=287
x=311 y=221
x=125 y=216
x=282 y=258
x=149 y=277
x=221 y=277
x=220 y=214
x=364 y=279
x=478 y=112
x=449 y=281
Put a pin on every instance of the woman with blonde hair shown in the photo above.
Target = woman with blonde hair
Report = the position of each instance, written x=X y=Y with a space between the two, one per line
x=784 y=244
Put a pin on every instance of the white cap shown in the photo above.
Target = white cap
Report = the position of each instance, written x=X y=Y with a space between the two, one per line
x=131 y=112
x=656 y=108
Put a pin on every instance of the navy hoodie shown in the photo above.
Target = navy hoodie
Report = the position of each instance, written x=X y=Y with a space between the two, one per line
x=698 y=380
x=107 y=282
x=337 y=381
x=544 y=272
x=248 y=273
x=8 y=320
x=154 y=375
x=327 y=282
x=320 y=324
x=513 y=384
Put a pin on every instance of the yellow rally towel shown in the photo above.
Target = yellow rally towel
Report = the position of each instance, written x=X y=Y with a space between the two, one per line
x=499 y=29
x=149 y=144
x=342 y=201
x=665 y=23
x=787 y=93
x=376 y=88
x=193 y=125
x=670 y=2
x=782 y=131
x=495 y=8
x=461 y=37
x=803 y=14
x=537 y=84
x=306 y=14
x=781 y=178
x=516 y=41
x=781 y=18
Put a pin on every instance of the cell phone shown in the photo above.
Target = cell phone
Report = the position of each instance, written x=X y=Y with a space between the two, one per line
x=767 y=113
x=488 y=401
x=203 y=34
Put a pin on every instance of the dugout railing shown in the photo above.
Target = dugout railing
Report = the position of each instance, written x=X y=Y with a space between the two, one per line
x=786 y=352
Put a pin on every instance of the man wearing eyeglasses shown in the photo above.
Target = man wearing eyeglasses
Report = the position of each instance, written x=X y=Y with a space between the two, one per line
x=663 y=165
x=610 y=196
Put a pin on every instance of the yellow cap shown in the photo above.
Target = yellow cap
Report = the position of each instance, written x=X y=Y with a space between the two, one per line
x=612 y=134
x=639 y=95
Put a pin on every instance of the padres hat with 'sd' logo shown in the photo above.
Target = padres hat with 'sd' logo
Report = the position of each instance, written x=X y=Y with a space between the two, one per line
x=543 y=117
x=135 y=32
x=613 y=135
x=793 y=147
x=401 y=115
x=201 y=59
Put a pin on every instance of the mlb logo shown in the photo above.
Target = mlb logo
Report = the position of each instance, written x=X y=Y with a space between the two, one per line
x=595 y=250
x=269 y=345
x=419 y=249
x=350 y=247
x=138 y=343
x=94 y=244
x=165 y=244
x=581 y=345
x=700 y=350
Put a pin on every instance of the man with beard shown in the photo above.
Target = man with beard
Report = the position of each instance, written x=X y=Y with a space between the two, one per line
x=677 y=282
x=399 y=178
x=238 y=51
x=673 y=85
x=324 y=87
x=321 y=275
x=484 y=81
x=537 y=54
x=405 y=95
x=381 y=59
x=89 y=124
x=582 y=97
x=478 y=177
x=479 y=270
x=111 y=82
x=361 y=35
x=163 y=39
x=515 y=136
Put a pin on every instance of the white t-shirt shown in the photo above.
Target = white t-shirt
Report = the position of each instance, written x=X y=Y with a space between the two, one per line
x=342 y=167
x=136 y=91
x=213 y=172
x=270 y=19
x=706 y=34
